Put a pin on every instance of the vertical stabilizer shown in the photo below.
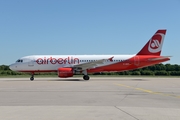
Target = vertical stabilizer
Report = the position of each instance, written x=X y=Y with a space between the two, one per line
x=154 y=45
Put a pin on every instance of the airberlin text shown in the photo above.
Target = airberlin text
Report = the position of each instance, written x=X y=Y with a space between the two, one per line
x=51 y=60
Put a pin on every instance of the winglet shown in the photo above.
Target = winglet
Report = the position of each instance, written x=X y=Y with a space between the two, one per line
x=154 y=45
x=111 y=59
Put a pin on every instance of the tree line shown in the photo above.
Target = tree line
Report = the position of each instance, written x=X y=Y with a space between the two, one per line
x=6 y=71
x=155 y=70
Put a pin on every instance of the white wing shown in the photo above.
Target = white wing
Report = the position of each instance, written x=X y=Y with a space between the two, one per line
x=92 y=64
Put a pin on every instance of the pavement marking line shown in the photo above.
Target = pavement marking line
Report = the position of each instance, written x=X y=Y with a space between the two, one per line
x=149 y=91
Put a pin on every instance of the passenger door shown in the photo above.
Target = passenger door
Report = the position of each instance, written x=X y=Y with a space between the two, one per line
x=31 y=63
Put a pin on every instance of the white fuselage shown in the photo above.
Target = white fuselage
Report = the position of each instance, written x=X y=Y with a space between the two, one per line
x=53 y=62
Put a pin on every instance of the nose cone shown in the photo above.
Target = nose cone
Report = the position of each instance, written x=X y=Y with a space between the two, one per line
x=13 y=67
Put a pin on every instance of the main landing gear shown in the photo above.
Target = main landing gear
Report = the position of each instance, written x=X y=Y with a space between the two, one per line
x=32 y=77
x=86 y=77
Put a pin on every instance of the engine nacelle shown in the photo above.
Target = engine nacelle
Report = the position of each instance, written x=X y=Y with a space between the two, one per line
x=65 y=72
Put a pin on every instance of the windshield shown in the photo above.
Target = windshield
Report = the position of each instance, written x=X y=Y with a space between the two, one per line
x=19 y=60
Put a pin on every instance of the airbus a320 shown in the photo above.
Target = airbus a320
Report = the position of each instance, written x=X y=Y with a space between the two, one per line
x=69 y=65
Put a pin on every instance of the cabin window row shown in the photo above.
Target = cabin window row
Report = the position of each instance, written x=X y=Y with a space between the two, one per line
x=96 y=60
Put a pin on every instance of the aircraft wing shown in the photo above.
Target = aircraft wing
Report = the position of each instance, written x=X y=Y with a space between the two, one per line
x=93 y=64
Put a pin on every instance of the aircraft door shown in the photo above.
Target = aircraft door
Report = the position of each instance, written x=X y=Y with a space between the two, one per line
x=31 y=63
x=136 y=60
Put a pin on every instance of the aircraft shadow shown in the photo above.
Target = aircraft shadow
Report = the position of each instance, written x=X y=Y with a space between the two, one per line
x=66 y=80
x=42 y=80
x=138 y=79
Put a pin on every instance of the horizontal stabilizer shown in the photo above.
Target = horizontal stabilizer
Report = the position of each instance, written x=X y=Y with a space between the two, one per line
x=160 y=58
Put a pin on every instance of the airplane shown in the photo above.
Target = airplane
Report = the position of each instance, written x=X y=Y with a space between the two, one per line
x=69 y=65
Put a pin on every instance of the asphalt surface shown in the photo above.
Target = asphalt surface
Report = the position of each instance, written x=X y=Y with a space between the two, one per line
x=110 y=98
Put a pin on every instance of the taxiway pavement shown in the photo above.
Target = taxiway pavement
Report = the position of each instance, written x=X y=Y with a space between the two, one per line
x=110 y=98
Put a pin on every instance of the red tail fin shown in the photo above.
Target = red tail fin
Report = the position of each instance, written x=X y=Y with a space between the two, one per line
x=154 y=45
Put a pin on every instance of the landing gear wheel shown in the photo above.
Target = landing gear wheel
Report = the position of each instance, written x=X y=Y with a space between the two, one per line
x=31 y=78
x=86 y=77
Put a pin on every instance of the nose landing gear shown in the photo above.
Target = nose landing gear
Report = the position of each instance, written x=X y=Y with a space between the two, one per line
x=32 y=77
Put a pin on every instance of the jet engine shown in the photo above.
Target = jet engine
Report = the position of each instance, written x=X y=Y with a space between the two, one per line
x=65 y=72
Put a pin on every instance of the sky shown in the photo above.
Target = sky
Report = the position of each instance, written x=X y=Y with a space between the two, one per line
x=60 y=27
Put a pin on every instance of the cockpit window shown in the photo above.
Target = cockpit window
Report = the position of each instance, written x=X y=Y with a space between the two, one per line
x=19 y=60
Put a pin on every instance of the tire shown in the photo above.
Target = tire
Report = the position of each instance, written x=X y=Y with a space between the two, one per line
x=31 y=78
x=86 y=77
